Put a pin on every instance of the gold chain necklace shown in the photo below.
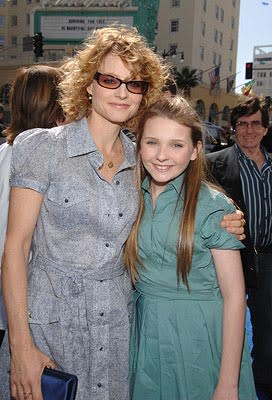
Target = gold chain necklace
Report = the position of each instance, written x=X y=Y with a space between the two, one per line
x=110 y=163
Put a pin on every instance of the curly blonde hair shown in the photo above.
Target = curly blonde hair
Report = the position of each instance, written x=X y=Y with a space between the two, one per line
x=132 y=48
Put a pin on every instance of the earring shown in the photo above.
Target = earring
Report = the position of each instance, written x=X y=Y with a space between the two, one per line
x=90 y=97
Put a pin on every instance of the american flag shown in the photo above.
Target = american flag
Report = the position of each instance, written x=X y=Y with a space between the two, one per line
x=214 y=75
x=230 y=82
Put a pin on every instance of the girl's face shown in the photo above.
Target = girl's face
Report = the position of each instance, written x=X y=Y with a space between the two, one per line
x=113 y=105
x=166 y=150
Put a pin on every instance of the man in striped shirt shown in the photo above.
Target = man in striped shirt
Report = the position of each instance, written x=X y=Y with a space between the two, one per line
x=245 y=172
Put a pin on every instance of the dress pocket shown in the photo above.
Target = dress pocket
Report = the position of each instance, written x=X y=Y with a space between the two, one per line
x=46 y=327
x=68 y=204
x=42 y=311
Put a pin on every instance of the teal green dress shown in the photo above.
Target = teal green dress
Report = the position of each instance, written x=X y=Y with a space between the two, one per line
x=176 y=340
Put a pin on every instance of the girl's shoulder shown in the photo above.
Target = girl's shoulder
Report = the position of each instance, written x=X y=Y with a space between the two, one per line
x=210 y=197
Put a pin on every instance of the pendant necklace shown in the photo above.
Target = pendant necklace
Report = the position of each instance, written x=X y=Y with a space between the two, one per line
x=110 y=164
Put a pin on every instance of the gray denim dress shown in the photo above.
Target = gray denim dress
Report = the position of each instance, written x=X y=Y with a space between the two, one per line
x=79 y=292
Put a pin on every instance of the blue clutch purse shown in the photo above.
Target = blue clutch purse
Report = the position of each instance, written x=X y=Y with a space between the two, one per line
x=58 y=385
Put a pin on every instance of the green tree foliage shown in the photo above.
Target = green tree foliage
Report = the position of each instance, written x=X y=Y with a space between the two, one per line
x=186 y=79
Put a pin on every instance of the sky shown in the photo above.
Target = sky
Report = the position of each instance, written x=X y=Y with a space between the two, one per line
x=255 y=28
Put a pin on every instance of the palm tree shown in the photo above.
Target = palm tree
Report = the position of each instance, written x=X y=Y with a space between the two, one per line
x=186 y=79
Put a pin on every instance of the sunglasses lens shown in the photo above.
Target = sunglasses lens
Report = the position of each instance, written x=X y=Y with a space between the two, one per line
x=137 y=87
x=108 y=81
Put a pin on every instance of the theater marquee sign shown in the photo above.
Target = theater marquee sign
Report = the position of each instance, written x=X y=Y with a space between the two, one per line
x=86 y=3
x=75 y=27
x=61 y=25
x=69 y=26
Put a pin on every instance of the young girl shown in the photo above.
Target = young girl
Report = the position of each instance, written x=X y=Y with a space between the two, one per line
x=188 y=329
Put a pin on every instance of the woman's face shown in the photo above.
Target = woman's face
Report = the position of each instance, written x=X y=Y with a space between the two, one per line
x=114 y=105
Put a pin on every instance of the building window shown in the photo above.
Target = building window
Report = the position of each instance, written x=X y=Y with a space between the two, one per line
x=173 y=48
x=2 y=20
x=2 y=3
x=204 y=5
x=214 y=58
x=2 y=41
x=174 y=25
x=230 y=65
x=213 y=113
x=203 y=28
x=175 y=3
x=28 y=1
x=219 y=60
x=200 y=109
x=232 y=22
x=231 y=44
x=226 y=113
x=201 y=53
x=221 y=15
x=14 y=40
x=13 y=20
x=221 y=38
x=27 y=19
x=234 y=3
x=216 y=35
x=14 y=2
x=217 y=12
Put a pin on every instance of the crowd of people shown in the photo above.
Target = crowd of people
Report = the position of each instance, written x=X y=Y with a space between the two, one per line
x=121 y=262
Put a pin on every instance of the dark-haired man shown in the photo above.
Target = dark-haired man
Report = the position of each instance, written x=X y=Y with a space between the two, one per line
x=245 y=172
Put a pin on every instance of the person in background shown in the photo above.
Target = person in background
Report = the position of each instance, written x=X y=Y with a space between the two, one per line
x=33 y=103
x=267 y=140
x=245 y=172
x=73 y=202
x=188 y=331
x=2 y=124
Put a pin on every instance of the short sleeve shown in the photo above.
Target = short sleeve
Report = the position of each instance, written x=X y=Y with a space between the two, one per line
x=211 y=232
x=30 y=160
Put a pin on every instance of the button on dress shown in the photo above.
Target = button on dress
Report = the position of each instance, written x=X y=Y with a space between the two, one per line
x=79 y=292
x=176 y=339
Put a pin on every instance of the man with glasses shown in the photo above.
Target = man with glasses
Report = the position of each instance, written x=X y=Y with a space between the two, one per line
x=244 y=170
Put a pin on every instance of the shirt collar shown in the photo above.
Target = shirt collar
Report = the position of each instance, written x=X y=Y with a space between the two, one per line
x=175 y=184
x=241 y=154
x=80 y=141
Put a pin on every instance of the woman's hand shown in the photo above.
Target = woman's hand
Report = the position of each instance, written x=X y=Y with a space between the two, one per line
x=26 y=368
x=234 y=223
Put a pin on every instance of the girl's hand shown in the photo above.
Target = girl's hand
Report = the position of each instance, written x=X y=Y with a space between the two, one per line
x=26 y=368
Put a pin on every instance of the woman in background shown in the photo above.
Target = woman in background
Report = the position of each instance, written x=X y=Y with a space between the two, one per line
x=33 y=103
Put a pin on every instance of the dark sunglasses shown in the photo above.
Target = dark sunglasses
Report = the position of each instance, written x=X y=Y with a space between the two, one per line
x=110 y=82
